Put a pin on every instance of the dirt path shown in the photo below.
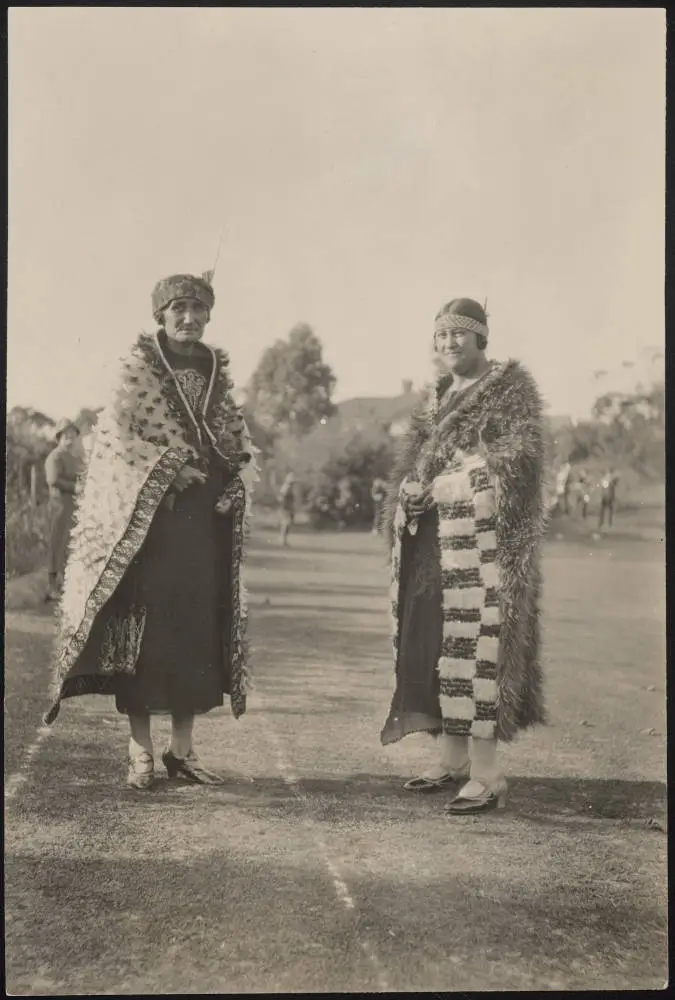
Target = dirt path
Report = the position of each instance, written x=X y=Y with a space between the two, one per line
x=310 y=869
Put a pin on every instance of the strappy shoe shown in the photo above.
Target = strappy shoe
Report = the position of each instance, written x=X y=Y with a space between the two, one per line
x=189 y=769
x=424 y=784
x=476 y=797
x=141 y=772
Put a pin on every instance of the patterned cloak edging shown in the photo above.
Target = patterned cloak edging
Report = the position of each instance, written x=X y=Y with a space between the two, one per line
x=485 y=459
x=144 y=436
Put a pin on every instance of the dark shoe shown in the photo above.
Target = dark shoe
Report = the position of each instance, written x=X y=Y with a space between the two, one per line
x=448 y=780
x=189 y=769
x=476 y=797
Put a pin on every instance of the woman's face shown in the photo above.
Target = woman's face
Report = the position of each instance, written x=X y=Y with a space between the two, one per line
x=185 y=320
x=457 y=349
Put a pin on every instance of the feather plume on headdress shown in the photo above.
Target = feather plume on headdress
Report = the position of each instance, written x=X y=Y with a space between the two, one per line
x=209 y=275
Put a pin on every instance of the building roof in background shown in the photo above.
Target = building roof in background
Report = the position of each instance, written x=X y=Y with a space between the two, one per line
x=378 y=409
x=394 y=410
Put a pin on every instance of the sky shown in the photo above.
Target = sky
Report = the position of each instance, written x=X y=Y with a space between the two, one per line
x=364 y=165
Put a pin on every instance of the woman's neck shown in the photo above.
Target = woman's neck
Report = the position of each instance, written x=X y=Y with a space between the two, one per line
x=459 y=381
x=176 y=346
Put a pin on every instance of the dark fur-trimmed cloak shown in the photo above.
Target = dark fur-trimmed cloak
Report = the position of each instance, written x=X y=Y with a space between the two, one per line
x=496 y=431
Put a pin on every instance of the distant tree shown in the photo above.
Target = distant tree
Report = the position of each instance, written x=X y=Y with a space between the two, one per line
x=627 y=429
x=28 y=442
x=328 y=458
x=634 y=427
x=25 y=421
x=262 y=438
x=87 y=419
x=629 y=409
x=290 y=390
x=578 y=442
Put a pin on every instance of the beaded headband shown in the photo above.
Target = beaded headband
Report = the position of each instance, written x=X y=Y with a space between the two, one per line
x=454 y=321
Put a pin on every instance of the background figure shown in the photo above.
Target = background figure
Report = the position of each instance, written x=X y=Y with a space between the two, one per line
x=61 y=471
x=378 y=493
x=286 y=507
x=344 y=503
x=583 y=492
x=608 y=486
x=563 y=487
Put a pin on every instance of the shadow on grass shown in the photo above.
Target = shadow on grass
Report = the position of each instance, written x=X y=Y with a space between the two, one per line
x=234 y=920
x=540 y=800
x=88 y=781
x=227 y=922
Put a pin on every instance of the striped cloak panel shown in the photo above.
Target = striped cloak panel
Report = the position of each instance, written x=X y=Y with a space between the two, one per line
x=467 y=666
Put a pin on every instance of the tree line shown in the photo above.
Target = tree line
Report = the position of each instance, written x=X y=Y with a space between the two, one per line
x=288 y=404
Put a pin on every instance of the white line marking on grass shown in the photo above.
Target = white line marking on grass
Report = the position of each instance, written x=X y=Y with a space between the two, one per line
x=17 y=780
x=339 y=885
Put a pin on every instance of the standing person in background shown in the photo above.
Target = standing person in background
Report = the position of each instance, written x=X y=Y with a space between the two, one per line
x=608 y=485
x=378 y=494
x=583 y=492
x=286 y=498
x=563 y=487
x=344 y=502
x=465 y=521
x=62 y=468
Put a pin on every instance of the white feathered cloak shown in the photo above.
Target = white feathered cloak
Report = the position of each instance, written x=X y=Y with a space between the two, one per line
x=144 y=436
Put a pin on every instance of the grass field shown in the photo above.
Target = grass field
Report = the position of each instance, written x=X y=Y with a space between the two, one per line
x=311 y=870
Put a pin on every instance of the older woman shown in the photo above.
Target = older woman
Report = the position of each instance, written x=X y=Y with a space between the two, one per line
x=153 y=609
x=465 y=519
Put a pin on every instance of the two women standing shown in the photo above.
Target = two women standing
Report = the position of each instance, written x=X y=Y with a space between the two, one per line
x=154 y=610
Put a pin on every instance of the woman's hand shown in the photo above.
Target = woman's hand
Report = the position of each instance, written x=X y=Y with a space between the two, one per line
x=224 y=506
x=421 y=504
x=416 y=499
x=187 y=476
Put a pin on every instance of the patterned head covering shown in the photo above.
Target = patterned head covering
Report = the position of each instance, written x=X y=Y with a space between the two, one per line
x=463 y=314
x=181 y=286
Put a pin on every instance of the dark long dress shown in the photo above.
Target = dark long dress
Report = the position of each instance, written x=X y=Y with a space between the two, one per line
x=415 y=706
x=182 y=578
